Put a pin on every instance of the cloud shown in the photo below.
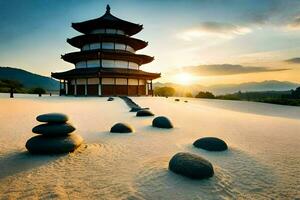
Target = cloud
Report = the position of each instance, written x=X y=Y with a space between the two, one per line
x=212 y=28
x=223 y=28
x=293 y=60
x=294 y=24
x=227 y=69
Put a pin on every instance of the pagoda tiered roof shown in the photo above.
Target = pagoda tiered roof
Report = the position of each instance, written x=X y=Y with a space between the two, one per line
x=75 y=57
x=107 y=21
x=104 y=72
x=81 y=40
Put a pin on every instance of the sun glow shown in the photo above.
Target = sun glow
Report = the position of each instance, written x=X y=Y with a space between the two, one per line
x=184 y=78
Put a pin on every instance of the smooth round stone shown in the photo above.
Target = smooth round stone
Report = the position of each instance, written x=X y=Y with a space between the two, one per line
x=211 y=144
x=53 y=145
x=191 y=165
x=121 y=128
x=144 y=113
x=162 y=122
x=110 y=99
x=52 y=118
x=177 y=99
x=54 y=129
x=185 y=101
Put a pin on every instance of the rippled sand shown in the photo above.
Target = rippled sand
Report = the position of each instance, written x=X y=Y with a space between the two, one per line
x=263 y=160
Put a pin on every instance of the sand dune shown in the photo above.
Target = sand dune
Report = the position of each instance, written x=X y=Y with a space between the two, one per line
x=262 y=161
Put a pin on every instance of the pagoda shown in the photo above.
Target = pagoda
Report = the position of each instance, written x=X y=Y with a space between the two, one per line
x=106 y=63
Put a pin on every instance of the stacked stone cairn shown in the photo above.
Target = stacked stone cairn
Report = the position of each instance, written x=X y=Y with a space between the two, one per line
x=55 y=135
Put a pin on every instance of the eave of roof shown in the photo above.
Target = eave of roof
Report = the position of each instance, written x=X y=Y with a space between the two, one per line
x=75 y=57
x=104 y=72
x=107 y=21
x=81 y=40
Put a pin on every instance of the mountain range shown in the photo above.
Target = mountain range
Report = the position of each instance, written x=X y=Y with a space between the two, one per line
x=28 y=79
x=218 y=89
x=31 y=80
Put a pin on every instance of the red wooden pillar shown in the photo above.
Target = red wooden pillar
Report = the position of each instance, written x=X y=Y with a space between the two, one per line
x=138 y=89
x=151 y=88
x=127 y=87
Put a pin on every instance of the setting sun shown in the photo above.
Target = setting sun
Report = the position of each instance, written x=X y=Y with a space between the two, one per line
x=184 y=78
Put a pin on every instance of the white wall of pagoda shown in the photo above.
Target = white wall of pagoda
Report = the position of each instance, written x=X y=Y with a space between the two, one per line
x=108 y=81
x=108 y=46
x=107 y=64
x=108 y=31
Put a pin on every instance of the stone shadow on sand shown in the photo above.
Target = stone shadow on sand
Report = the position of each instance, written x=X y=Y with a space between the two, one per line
x=237 y=175
x=17 y=162
x=150 y=128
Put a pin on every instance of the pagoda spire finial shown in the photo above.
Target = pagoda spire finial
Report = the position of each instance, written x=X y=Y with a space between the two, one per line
x=108 y=9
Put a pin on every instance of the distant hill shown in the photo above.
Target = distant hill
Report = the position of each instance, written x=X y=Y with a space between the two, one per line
x=28 y=79
x=270 y=85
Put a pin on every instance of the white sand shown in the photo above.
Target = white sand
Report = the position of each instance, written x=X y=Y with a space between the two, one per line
x=263 y=160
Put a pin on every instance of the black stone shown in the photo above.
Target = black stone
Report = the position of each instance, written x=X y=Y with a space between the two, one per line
x=144 y=113
x=54 y=129
x=121 y=128
x=53 y=118
x=191 y=165
x=211 y=144
x=162 y=122
x=53 y=145
x=185 y=101
x=110 y=99
x=177 y=99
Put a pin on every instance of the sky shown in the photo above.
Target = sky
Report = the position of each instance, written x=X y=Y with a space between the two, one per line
x=193 y=41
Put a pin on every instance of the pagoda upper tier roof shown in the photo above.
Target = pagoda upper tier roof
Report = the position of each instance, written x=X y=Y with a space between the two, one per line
x=81 y=40
x=104 y=72
x=107 y=21
x=75 y=57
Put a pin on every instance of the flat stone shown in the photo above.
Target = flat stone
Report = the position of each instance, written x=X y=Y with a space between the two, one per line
x=54 y=129
x=110 y=99
x=136 y=109
x=53 y=145
x=211 y=144
x=191 y=165
x=53 y=118
x=144 y=113
x=162 y=122
x=121 y=128
x=177 y=99
x=185 y=101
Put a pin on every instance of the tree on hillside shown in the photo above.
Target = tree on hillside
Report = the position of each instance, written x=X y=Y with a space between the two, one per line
x=207 y=95
x=164 y=91
x=296 y=93
x=188 y=94
x=38 y=91
x=13 y=85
